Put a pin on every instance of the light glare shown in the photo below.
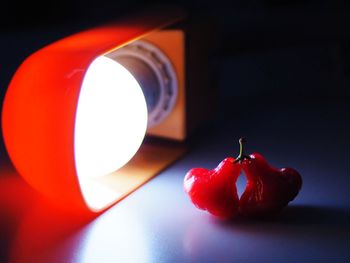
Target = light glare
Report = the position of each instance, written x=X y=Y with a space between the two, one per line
x=110 y=123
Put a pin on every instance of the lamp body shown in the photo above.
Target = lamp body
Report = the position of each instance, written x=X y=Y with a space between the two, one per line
x=39 y=109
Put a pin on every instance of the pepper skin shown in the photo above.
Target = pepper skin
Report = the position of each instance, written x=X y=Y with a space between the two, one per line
x=215 y=190
x=268 y=189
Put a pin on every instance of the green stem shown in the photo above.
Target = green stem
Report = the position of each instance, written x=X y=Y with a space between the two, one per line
x=241 y=156
x=241 y=141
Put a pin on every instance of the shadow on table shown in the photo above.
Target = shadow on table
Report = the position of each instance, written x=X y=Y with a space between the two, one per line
x=299 y=215
x=313 y=215
x=297 y=221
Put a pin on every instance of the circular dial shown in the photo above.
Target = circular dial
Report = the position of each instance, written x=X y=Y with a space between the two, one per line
x=155 y=74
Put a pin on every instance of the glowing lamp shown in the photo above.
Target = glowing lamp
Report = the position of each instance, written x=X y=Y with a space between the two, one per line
x=76 y=112
x=110 y=124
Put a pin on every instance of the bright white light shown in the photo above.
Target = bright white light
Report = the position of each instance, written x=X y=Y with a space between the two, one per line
x=111 y=121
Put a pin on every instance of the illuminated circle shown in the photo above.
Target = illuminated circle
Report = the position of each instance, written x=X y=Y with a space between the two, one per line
x=111 y=121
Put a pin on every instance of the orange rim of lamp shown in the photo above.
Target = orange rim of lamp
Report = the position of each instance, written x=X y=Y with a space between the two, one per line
x=40 y=106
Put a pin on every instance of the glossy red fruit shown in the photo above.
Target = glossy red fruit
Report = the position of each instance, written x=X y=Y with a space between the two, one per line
x=215 y=190
x=268 y=189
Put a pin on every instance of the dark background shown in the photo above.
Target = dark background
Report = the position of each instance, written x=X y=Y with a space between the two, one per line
x=267 y=47
x=291 y=50
x=283 y=71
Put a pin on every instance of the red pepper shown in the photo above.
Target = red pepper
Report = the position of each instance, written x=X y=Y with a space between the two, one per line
x=268 y=189
x=215 y=190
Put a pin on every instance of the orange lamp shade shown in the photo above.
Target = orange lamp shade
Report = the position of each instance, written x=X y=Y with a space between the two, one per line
x=40 y=109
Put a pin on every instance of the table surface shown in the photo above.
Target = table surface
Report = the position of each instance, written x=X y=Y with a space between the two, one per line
x=157 y=223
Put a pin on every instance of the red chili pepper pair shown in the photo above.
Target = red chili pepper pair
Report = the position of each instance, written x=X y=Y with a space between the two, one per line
x=268 y=189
